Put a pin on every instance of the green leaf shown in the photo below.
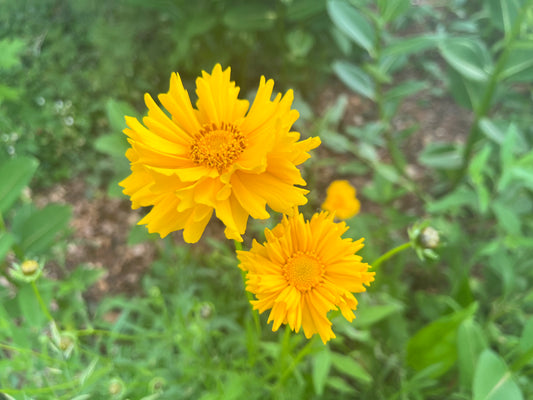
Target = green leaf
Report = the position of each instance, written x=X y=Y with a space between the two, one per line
x=526 y=340
x=321 y=367
x=491 y=130
x=469 y=57
x=29 y=307
x=493 y=380
x=299 y=42
x=250 y=17
x=11 y=52
x=37 y=233
x=113 y=144
x=471 y=342
x=503 y=13
x=436 y=343
x=15 y=174
x=353 y=23
x=298 y=10
x=478 y=165
x=355 y=78
x=370 y=315
x=519 y=63
x=456 y=200
x=397 y=94
x=348 y=366
x=466 y=93
x=6 y=241
x=477 y=171
x=441 y=155
x=412 y=45
x=340 y=385
x=116 y=111
x=8 y=93
x=405 y=89
x=509 y=220
x=392 y=9
x=508 y=152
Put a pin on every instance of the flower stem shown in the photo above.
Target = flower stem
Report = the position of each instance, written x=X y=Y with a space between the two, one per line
x=249 y=296
x=389 y=254
x=41 y=302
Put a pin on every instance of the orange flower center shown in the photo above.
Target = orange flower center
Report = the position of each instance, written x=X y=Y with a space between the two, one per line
x=217 y=146
x=303 y=271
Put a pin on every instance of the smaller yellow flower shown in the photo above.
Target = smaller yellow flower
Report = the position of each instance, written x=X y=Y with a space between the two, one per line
x=304 y=270
x=341 y=200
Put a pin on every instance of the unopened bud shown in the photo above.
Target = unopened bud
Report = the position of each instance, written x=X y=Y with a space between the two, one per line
x=116 y=387
x=29 y=267
x=429 y=238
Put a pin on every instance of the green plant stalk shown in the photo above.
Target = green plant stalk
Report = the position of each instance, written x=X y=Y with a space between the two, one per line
x=41 y=302
x=2 y=224
x=486 y=101
x=392 y=147
x=53 y=388
x=389 y=254
x=301 y=354
x=249 y=296
x=115 y=335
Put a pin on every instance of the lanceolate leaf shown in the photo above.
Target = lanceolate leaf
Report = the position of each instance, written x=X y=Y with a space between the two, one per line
x=469 y=57
x=15 y=174
x=493 y=380
x=38 y=232
x=355 y=78
x=354 y=24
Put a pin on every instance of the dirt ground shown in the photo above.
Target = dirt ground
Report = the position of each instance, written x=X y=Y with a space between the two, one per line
x=100 y=225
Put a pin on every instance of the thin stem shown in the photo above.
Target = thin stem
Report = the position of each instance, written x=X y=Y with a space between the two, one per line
x=389 y=254
x=486 y=101
x=115 y=335
x=41 y=302
x=249 y=296
x=301 y=354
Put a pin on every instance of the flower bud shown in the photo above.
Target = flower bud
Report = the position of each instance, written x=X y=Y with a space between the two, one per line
x=28 y=271
x=29 y=267
x=429 y=238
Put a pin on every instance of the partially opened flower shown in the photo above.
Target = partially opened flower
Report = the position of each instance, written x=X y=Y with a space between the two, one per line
x=341 y=200
x=304 y=270
x=220 y=156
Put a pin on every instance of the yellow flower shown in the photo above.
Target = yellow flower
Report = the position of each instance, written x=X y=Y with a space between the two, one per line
x=341 y=200
x=220 y=156
x=304 y=270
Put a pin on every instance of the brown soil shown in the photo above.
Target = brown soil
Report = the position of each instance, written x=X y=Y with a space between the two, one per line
x=100 y=228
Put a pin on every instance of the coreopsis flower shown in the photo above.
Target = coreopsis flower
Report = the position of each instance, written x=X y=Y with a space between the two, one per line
x=221 y=156
x=304 y=270
x=341 y=200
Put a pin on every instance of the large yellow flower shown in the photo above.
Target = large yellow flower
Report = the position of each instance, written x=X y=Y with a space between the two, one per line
x=218 y=156
x=304 y=270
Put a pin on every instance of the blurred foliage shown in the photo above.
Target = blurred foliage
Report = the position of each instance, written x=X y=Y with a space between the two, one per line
x=62 y=61
x=452 y=318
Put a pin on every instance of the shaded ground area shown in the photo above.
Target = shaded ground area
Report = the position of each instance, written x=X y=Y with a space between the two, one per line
x=101 y=225
x=100 y=229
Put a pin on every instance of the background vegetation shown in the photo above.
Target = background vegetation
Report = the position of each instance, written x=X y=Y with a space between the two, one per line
x=452 y=321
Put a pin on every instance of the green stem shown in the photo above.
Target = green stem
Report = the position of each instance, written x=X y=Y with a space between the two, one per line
x=2 y=224
x=115 y=335
x=484 y=106
x=301 y=354
x=41 y=302
x=389 y=254
x=249 y=296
